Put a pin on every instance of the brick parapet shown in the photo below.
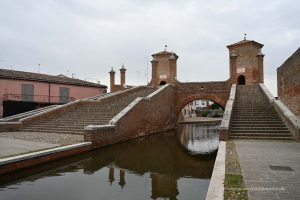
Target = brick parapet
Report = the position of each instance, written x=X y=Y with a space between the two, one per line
x=214 y=91
x=292 y=121
x=226 y=120
x=138 y=119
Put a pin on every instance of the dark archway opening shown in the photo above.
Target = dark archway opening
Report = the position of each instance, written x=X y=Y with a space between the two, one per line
x=241 y=80
x=163 y=83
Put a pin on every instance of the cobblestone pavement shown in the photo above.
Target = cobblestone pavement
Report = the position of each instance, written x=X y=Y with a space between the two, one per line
x=52 y=138
x=11 y=147
x=262 y=182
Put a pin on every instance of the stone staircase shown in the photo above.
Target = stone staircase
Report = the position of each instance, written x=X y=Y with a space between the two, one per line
x=254 y=117
x=92 y=112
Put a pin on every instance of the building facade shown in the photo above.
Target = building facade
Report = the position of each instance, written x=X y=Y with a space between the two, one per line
x=23 y=91
x=288 y=82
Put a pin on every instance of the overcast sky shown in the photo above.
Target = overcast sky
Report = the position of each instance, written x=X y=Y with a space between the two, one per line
x=87 y=38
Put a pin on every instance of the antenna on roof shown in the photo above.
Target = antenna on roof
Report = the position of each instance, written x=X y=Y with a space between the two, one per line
x=39 y=66
x=245 y=36
x=73 y=75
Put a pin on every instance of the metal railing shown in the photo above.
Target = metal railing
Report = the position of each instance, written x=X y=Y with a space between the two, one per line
x=37 y=98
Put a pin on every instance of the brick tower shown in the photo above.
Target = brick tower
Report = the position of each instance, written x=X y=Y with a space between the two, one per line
x=246 y=62
x=164 y=68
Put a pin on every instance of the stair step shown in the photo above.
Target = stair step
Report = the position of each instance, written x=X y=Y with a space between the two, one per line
x=261 y=137
x=259 y=128
x=60 y=131
x=258 y=125
x=260 y=131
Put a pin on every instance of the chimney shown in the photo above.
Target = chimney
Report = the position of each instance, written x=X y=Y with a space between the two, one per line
x=122 y=72
x=112 y=79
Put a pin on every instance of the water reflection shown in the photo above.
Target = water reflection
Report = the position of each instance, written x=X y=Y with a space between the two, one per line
x=152 y=167
x=199 y=139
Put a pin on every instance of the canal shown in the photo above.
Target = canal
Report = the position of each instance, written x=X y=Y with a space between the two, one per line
x=171 y=165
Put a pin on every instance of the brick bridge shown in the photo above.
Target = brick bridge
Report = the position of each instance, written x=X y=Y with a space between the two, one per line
x=126 y=113
x=217 y=92
x=122 y=115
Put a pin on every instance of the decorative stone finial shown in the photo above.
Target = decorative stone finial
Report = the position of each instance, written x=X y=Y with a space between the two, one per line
x=245 y=36
x=123 y=68
x=166 y=47
x=112 y=70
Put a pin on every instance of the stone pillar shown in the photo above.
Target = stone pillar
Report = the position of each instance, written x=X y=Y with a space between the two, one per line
x=112 y=79
x=122 y=74
x=233 y=68
x=154 y=63
x=260 y=60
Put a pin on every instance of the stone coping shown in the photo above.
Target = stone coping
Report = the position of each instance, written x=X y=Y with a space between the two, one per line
x=288 y=114
x=96 y=127
x=285 y=111
x=157 y=91
x=112 y=123
x=216 y=185
x=125 y=110
x=267 y=92
x=36 y=154
x=25 y=114
x=128 y=108
x=225 y=123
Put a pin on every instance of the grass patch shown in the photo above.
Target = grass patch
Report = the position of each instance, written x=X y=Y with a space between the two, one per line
x=234 y=188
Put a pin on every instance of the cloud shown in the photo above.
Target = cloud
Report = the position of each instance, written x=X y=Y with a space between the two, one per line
x=89 y=37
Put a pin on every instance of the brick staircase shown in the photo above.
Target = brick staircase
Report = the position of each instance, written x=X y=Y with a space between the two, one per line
x=98 y=111
x=254 y=117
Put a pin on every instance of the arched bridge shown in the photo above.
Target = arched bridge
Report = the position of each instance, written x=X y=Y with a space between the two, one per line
x=122 y=115
x=156 y=112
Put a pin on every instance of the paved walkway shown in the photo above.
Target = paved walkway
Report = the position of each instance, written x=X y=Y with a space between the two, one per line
x=256 y=160
x=11 y=147
x=14 y=143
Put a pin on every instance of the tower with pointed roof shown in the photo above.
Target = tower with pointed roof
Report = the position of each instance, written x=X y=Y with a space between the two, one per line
x=164 y=68
x=246 y=62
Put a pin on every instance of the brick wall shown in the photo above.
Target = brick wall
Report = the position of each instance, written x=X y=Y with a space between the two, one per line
x=288 y=83
x=214 y=91
x=144 y=116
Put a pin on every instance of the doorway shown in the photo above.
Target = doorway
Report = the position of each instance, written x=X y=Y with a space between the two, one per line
x=163 y=83
x=241 y=80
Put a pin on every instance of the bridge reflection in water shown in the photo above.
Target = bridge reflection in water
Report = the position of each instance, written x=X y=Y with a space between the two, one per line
x=152 y=167
x=199 y=139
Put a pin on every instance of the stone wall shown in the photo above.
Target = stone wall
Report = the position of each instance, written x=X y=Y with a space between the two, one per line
x=288 y=83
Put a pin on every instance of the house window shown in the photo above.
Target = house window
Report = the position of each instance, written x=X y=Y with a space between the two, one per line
x=64 y=94
x=27 y=92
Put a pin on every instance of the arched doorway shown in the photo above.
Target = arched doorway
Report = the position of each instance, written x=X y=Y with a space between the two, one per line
x=241 y=80
x=163 y=83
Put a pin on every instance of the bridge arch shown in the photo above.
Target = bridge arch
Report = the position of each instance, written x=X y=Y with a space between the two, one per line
x=190 y=98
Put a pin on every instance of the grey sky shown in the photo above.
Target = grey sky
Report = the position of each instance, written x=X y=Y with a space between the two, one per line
x=87 y=38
